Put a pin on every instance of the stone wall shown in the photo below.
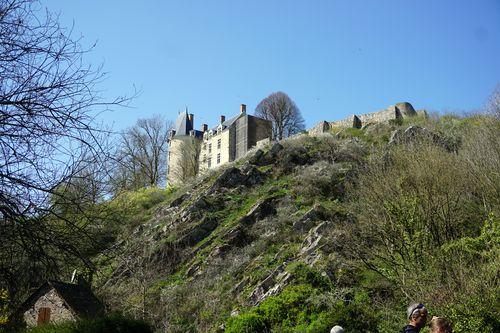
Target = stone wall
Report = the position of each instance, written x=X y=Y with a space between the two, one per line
x=59 y=312
x=393 y=112
x=258 y=129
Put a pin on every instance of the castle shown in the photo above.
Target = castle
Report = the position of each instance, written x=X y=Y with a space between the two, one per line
x=394 y=112
x=196 y=151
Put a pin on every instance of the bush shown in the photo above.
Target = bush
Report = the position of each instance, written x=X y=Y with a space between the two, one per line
x=246 y=323
x=108 y=324
x=320 y=179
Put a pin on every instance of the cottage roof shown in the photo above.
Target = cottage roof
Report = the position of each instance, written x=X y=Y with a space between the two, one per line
x=78 y=298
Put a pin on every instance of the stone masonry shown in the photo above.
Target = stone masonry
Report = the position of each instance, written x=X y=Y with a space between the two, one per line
x=393 y=112
x=226 y=142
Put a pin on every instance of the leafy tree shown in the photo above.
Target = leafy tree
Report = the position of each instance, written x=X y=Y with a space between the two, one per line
x=284 y=114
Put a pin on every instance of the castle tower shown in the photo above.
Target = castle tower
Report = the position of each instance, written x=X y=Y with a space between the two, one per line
x=184 y=142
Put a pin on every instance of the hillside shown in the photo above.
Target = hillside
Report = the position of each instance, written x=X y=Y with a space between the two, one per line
x=342 y=228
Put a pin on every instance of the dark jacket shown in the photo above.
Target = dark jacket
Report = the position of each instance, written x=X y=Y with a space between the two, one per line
x=409 y=329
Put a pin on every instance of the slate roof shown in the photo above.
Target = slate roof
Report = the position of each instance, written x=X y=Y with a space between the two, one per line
x=227 y=123
x=78 y=298
x=183 y=126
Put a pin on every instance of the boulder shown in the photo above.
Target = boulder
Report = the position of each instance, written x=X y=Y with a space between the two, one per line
x=198 y=232
x=179 y=200
x=253 y=176
x=275 y=149
x=258 y=158
x=230 y=177
x=416 y=134
x=406 y=109
x=309 y=219
x=259 y=211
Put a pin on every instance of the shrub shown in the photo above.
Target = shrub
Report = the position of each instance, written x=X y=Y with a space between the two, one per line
x=320 y=179
x=108 y=324
x=246 y=323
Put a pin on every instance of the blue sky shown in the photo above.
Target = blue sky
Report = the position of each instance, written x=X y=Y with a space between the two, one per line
x=333 y=58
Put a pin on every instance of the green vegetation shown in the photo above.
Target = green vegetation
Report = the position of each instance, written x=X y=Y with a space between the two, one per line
x=336 y=229
x=303 y=307
x=112 y=323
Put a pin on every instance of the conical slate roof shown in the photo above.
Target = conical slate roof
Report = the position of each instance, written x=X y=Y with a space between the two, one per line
x=182 y=124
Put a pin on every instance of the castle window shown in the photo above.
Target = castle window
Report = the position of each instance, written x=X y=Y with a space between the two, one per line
x=209 y=162
x=218 y=158
x=209 y=148
x=218 y=144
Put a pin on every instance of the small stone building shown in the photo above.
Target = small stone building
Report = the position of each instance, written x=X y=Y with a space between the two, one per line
x=56 y=302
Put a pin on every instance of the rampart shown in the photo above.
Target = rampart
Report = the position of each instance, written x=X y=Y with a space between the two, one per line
x=393 y=112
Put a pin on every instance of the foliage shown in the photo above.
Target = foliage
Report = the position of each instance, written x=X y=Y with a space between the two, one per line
x=111 y=323
x=4 y=308
x=396 y=223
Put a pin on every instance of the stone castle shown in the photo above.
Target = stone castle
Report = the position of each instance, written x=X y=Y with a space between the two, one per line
x=394 y=112
x=196 y=151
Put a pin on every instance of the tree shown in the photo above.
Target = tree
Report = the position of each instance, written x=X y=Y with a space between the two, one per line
x=142 y=155
x=284 y=114
x=48 y=102
x=493 y=103
x=186 y=153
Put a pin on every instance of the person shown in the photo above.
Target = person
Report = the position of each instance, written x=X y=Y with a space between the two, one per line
x=337 y=329
x=440 y=325
x=417 y=316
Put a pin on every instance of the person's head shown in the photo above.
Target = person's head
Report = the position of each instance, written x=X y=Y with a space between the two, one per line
x=337 y=329
x=417 y=314
x=440 y=325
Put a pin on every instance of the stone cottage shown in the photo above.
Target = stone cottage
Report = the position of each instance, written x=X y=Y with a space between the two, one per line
x=55 y=302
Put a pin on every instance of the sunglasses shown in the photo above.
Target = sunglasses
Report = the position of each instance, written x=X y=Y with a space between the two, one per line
x=416 y=308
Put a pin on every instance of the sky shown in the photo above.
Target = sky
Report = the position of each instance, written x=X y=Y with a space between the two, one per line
x=333 y=58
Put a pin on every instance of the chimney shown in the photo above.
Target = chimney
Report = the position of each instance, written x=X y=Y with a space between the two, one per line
x=222 y=119
x=191 y=119
x=204 y=128
x=243 y=108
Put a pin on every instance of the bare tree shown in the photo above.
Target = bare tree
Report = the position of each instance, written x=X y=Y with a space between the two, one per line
x=143 y=153
x=284 y=114
x=493 y=103
x=186 y=153
x=48 y=102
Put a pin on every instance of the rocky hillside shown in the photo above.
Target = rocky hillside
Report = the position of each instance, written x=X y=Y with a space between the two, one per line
x=345 y=227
